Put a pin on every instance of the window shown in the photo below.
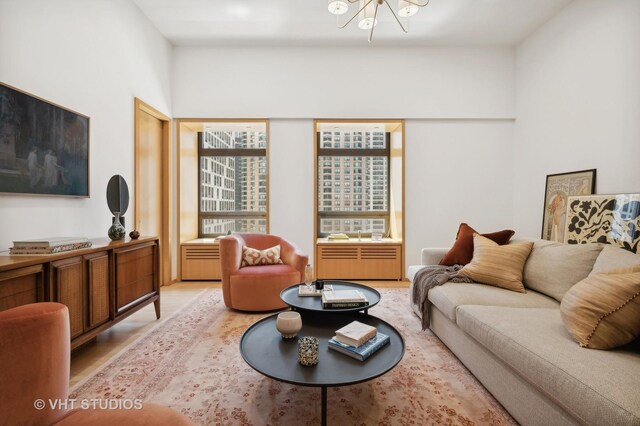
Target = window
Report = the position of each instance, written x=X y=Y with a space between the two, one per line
x=353 y=166
x=233 y=178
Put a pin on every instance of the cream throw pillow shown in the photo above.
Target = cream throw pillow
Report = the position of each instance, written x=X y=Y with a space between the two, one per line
x=255 y=257
x=603 y=310
x=497 y=265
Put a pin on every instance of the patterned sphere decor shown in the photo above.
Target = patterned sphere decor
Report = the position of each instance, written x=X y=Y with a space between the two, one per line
x=308 y=350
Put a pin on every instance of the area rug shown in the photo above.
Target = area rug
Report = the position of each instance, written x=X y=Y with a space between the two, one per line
x=191 y=363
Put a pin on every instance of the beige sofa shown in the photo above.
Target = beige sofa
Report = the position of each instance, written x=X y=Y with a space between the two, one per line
x=517 y=346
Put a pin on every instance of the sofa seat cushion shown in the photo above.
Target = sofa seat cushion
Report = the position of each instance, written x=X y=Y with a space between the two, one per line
x=449 y=296
x=596 y=387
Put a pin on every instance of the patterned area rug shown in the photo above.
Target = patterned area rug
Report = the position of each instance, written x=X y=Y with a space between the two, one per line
x=191 y=362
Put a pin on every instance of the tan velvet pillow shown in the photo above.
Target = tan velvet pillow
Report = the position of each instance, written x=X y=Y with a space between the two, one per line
x=497 y=265
x=255 y=257
x=462 y=250
x=603 y=310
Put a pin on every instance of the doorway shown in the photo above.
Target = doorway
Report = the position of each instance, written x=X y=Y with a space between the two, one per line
x=152 y=180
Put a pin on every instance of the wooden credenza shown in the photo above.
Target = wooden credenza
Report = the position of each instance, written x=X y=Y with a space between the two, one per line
x=359 y=260
x=101 y=285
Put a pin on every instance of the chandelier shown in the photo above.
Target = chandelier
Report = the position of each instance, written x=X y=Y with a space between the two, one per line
x=368 y=12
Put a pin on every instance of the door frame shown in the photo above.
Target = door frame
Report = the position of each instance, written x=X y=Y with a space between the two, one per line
x=165 y=165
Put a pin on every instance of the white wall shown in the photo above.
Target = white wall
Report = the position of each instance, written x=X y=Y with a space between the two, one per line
x=336 y=82
x=578 y=103
x=291 y=182
x=94 y=58
x=457 y=171
x=459 y=102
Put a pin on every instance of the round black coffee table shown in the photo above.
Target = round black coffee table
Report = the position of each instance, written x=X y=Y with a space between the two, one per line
x=314 y=303
x=268 y=353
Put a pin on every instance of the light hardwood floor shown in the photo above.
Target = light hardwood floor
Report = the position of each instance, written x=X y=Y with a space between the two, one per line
x=85 y=360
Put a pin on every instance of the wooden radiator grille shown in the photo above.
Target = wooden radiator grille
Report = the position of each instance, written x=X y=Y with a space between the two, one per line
x=379 y=253
x=346 y=253
x=195 y=253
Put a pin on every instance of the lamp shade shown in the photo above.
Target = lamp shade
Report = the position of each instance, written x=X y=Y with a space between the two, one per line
x=366 y=20
x=338 y=7
x=406 y=9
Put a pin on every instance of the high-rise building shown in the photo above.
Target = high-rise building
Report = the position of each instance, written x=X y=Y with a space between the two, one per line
x=353 y=183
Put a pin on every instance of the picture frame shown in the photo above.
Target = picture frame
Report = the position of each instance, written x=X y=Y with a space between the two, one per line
x=44 y=147
x=558 y=188
x=608 y=219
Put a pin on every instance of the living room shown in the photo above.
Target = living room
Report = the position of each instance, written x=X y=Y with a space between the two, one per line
x=473 y=112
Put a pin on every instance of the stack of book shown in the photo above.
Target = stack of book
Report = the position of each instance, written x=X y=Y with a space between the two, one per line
x=49 y=245
x=358 y=340
x=304 y=291
x=341 y=299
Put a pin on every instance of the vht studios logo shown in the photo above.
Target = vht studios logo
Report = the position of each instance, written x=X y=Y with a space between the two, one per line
x=88 y=404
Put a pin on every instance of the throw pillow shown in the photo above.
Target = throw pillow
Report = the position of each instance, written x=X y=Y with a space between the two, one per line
x=462 y=250
x=497 y=265
x=254 y=257
x=603 y=310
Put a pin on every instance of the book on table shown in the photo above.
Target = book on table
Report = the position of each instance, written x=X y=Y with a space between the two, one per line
x=49 y=242
x=338 y=237
x=304 y=291
x=355 y=334
x=337 y=299
x=50 y=250
x=364 y=351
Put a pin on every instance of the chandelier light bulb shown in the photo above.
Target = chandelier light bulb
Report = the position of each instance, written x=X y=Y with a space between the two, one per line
x=406 y=9
x=366 y=16
x=338 y=7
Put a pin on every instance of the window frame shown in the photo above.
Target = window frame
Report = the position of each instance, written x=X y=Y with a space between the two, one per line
x=320 y=183
x=232 y=152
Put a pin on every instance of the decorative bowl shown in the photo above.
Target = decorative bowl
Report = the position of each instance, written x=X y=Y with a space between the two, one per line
x=288 y=324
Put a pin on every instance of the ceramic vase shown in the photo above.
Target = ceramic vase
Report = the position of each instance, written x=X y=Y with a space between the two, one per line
x=116 y=231
x=288 y=324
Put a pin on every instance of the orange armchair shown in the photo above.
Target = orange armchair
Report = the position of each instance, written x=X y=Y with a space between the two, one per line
x=257 y=288
x=35 y=362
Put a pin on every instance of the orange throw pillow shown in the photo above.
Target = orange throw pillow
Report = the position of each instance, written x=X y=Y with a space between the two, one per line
x=255 y=257
x=462 y=251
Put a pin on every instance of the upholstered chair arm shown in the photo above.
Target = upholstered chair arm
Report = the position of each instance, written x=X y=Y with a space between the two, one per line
x=230 y=258
x=432 y=256
x=293 y=256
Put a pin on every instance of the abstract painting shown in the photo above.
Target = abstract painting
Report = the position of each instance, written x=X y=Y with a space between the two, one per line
x=44 y=148
x=608 y=219
x=559 y=187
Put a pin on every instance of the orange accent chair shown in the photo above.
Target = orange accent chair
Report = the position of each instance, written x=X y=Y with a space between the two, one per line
x=257 y=288
x=35 y=360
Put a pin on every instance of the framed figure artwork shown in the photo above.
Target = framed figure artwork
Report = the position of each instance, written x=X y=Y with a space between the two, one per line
x=44 y=148
x=558 y=189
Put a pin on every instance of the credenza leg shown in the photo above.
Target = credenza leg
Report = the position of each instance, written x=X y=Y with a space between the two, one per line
x=156 y=304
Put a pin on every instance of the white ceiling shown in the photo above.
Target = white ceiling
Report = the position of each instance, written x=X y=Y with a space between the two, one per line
x=307 y=22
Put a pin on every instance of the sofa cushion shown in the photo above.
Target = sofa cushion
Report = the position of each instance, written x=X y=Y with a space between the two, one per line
x=613 y=257
x=497 y=265
x=552 y=268
x=449 y=296
x=462 y=250
x=603 y=310
x=597 y=387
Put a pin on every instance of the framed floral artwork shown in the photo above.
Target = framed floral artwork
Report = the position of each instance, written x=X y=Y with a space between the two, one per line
x=609 y=219
x=558 y=189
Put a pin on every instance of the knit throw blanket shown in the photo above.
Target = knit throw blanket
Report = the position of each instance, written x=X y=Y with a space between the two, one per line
x=429 y=277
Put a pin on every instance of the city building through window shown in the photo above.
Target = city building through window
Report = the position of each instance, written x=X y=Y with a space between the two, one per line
x=233 y=178
x=353 y=178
